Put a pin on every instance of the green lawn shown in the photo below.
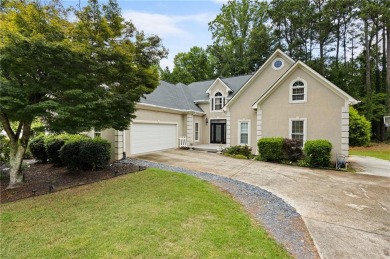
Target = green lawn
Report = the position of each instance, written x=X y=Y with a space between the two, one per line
x=148 y=214
x=378 y=150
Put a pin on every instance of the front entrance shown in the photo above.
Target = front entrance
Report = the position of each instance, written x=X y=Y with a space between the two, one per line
x=218 y=131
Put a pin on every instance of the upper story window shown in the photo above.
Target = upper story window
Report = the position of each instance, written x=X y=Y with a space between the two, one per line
x=217 y=102
x=277 y=64
x=298 y=92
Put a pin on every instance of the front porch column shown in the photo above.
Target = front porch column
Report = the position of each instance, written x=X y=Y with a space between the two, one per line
x=228 y=129
x=119 y=148
x=190 y=128
x=259 y=116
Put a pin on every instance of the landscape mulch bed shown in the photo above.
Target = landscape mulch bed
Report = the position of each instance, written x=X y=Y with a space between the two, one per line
x=41 y=179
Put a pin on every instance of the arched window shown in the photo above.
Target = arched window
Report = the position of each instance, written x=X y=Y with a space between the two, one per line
x=298 y=92
x=218 y=102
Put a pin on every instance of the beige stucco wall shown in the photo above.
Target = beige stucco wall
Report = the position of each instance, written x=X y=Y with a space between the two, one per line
x=322 y=111
x=241 y=108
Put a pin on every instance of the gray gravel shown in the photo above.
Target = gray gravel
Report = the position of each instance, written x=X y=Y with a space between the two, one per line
x=274 y=214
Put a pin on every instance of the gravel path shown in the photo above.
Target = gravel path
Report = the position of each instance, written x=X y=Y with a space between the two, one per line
x=276 y=216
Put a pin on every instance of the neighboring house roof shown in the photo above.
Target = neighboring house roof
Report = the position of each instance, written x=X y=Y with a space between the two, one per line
x=171 y=96
x=300 y=64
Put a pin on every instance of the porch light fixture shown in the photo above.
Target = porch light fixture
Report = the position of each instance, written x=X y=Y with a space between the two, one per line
x=207 y=121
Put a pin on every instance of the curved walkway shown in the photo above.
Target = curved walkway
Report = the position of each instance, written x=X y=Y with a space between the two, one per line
x=346 y=214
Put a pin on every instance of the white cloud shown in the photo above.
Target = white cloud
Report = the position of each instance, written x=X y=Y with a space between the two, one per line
x=164 y=25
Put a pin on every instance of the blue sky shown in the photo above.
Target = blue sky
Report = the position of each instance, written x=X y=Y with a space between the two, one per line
x=181 y=24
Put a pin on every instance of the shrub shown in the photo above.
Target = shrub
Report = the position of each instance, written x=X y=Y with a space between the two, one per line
x=95 y=153
x=271 y=149
x=387 y=135
x=359 y=129
x=70 y=151
x=4 y=150
x=318 y=152
x=244 y=151
x=54 y=144
x=38 y=149
x=292 y=150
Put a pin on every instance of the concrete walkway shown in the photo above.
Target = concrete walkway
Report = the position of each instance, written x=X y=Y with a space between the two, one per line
x=348 y=215
x=370 y=165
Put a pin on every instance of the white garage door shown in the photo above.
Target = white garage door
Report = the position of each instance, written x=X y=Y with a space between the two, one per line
x=147 y=137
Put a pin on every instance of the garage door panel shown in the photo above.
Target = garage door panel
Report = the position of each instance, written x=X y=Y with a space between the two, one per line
x=152 y=137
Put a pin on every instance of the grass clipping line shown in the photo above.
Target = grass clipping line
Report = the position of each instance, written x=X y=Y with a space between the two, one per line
x=153 y=213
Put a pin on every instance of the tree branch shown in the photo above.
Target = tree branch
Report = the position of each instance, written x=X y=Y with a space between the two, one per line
x=7 y=127
x=20 y=126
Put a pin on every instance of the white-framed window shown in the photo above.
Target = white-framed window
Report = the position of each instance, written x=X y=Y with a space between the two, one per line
x=298 y=91
x=196 y=131
x=298 y=130
x=97 y=133
x=244 y=132
x=277 y=64
x=217 y=102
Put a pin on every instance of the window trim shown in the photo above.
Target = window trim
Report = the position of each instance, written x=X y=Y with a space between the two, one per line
x=213 y=99
x=99 y=132
x=304 y=128
x=239 y=132
x=304 y=91
x=196 y=123
x=274 y=61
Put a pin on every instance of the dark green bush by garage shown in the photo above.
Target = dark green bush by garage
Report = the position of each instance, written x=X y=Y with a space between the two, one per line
x=85 y=153
x=318 y=152
x=38 y=149
x=271 y=149
x=95 y=153
x=359 y=129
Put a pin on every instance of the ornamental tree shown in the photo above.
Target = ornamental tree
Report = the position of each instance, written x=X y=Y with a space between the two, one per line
x=78 y=73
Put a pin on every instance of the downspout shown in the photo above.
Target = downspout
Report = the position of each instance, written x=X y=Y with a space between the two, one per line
x=124 y=142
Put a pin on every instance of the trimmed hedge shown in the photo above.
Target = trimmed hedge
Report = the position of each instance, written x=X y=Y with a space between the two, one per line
x=54 y=144
x=243 y=151
x=38 y=149
x=95 y=153
x=318 y=152
x=81 y=153
x=359 y=129
x=271 y=149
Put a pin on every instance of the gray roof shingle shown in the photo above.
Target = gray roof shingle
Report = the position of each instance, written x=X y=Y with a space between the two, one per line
x=182 y=97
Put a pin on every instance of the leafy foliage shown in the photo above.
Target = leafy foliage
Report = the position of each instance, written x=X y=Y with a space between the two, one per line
x=318 y=152
x=73 y=73
x=271 y=149
x=240 y=151
x=95 y=153
x=38 y=148
x=292 y=150
x=4 y=149
x=359 y=129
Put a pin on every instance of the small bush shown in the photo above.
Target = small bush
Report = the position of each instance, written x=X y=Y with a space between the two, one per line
x=387 y=136
x=4 y=150
x=28 y=154
x=95 y=153
x=244 y=151
x=318 y=152
x=38 y=149
x=70 y=154
x=292 y=150
x=359 y=129
x=271 y=149
x=54 y=144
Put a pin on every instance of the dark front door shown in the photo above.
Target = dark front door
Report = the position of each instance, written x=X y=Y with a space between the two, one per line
x=218 y=131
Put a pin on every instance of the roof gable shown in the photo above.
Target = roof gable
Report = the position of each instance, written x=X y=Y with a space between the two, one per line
x=218 y=80
x=268 y=62
x=314 y=74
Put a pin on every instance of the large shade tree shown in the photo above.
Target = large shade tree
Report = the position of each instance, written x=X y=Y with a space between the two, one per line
x=76 y=73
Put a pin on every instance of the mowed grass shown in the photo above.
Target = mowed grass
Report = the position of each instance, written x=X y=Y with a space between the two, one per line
x=148 y=214
x=378 y=150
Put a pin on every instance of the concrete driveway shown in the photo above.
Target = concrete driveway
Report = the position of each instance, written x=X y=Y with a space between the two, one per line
x=370 y=165
x=348 y=215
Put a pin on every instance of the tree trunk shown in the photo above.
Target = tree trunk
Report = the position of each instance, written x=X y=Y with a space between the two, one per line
x=16 y=158
x=368 y=72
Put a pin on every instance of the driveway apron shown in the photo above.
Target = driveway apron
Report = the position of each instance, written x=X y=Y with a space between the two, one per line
x=348 y=215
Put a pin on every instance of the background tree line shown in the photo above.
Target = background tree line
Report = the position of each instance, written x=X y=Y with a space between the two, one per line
x=347 y=41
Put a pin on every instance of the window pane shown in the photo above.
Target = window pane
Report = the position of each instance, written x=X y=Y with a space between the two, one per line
x=298 y=83
x=218 y=103
x=244 y=127
x=298 y=91
x=244 y=138
x=297 y=131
